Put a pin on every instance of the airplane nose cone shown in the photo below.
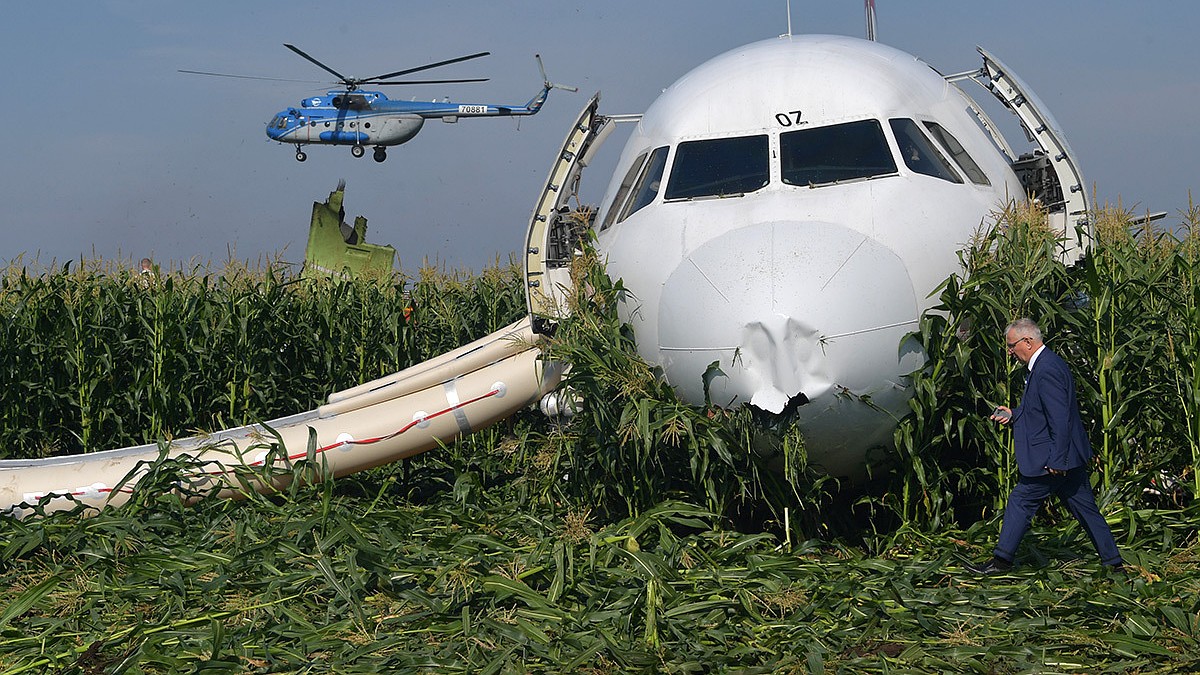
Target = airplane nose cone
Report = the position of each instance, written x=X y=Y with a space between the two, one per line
x=789 y=309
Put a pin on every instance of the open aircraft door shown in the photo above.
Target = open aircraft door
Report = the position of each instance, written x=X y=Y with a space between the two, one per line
x=554 y=228
x=1051 y=175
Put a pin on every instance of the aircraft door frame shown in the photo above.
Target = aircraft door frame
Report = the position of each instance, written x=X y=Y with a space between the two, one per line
x=1073 y=214
x=546 y=275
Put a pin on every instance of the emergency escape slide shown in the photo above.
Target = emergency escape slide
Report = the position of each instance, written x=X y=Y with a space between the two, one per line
x=375 y=423
x=382 y=421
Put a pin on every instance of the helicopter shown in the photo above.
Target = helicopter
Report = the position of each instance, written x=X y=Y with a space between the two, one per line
x=358 y=118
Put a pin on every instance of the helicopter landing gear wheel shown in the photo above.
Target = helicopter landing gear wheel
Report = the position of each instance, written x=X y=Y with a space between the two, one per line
x=358 y=151
x=380 y=153
x=300 y=156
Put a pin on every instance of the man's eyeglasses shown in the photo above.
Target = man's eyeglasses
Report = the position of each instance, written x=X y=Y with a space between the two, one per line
x=1017 y=342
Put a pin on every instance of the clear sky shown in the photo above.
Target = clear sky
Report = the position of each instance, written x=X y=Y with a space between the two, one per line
x=110 y=152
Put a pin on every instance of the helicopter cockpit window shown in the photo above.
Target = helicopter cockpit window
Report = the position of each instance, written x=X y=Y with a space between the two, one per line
x=838 y=152
x=647 y=185
x=958 y=153
x=919 y=154
x=623 y=191
x=719 y=167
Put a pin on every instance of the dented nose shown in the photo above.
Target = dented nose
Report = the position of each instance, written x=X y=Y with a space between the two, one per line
x=798 y=313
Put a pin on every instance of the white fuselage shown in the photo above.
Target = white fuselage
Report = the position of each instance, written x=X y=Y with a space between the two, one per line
x=783 y=247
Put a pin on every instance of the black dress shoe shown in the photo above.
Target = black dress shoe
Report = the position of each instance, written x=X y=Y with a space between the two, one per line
x=990 y=568
x=1117 y=568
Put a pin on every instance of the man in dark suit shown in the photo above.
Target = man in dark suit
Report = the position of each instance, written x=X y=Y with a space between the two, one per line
x=1052 y=451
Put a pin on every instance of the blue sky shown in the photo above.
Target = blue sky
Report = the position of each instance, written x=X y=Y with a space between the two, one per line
x=111 y=152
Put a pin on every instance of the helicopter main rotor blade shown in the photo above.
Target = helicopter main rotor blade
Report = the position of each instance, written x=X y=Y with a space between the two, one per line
x=477 y=79
x=346 y=80
x=249 y=77
x=427 y=66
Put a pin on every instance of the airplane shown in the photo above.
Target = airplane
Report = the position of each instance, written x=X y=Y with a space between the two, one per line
x=358 y=118
x=780 y=214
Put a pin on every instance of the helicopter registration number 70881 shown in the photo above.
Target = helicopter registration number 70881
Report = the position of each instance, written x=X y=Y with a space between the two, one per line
x=472 y=109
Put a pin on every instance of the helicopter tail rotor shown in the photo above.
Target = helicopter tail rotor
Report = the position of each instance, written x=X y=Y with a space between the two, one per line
x=546 y=80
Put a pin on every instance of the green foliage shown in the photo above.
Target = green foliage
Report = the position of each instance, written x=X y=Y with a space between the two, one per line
x=1125 y=318
x=947 y=449
x=98 y=358
x=1183 y=339
x=363 y=576
x=633 y=442
x=602 y=543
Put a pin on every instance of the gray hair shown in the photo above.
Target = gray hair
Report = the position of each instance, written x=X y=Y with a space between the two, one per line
x=1025 y=327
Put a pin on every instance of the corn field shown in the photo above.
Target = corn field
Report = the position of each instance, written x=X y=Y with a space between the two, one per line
x=642 y=535
x=99 y=358
x=1126 y=318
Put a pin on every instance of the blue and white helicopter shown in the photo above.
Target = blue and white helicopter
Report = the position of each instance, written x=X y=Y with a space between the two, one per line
x=358 y=118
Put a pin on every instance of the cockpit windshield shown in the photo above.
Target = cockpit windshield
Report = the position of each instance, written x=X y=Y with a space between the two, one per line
x=719 y=167
x=623 y=191
x=647 y=186
x=811 y=156
x=958 y=153
x=833 y=153
x=919 y=154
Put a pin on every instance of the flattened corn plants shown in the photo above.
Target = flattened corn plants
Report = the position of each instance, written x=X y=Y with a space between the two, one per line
x=363 y=576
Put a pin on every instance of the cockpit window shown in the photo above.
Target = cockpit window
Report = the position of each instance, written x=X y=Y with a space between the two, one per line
x=958 y=153
x=919 y=154
x=647 y=185
x=719 y=167
x=623 y=191
x=833 y=153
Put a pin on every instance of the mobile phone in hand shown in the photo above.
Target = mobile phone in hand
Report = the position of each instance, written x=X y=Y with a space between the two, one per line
x=1002 y=414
